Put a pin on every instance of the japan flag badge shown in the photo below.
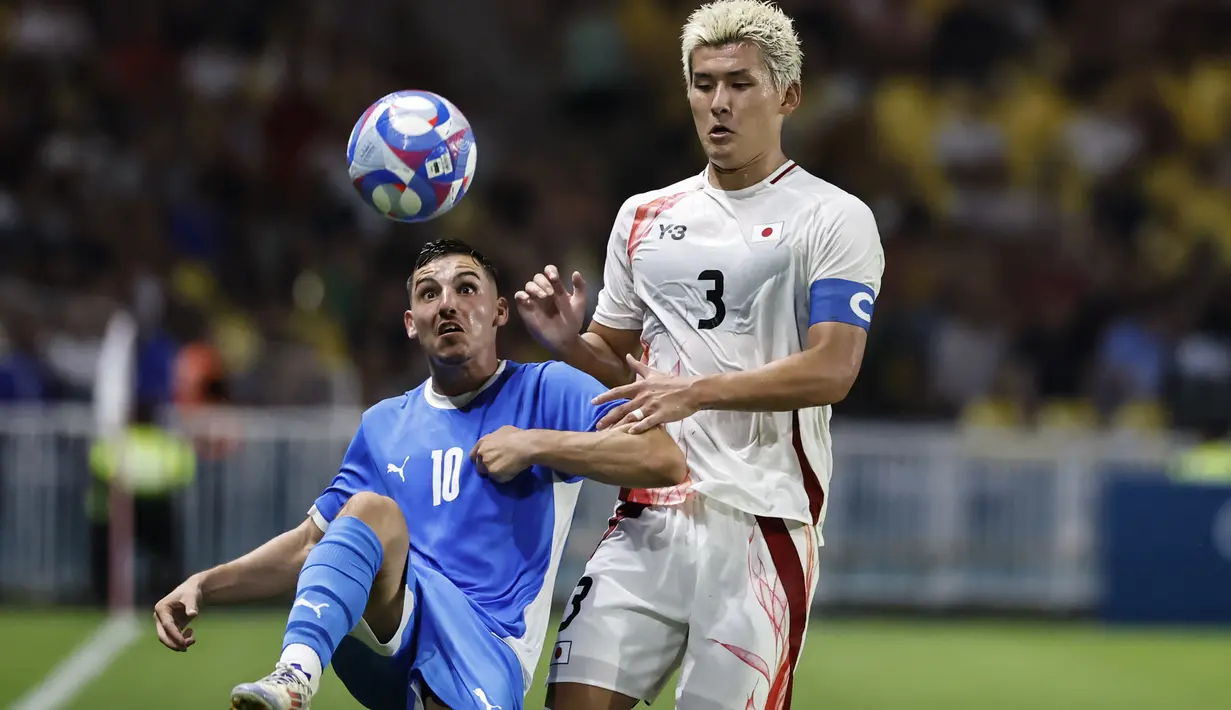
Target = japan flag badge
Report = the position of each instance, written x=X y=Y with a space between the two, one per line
x=767 y=232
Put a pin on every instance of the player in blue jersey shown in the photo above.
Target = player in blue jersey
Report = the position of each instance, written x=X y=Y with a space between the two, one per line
x=424 y=572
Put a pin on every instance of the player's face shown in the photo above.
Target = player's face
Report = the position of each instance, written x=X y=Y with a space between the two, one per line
x=455 y=310
x=737 y=111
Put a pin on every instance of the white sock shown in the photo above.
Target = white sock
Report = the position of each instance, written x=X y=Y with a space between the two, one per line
x=307 y=660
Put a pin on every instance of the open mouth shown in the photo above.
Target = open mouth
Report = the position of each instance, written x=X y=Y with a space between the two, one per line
x=720 y=131
x=448 y=328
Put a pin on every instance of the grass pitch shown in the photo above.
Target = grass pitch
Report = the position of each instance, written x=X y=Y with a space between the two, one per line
x=847 y=665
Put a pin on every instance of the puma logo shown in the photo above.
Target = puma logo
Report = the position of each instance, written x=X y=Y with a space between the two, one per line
x=314 y=607
x=483 y=698
x=390 y=468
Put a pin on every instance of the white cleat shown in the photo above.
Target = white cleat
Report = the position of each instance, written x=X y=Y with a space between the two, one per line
x=287 y=688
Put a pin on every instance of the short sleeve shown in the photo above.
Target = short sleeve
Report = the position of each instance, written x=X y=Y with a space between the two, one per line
x=845 y=264
x=619 y=306
x=357 y=473
x=565 y=397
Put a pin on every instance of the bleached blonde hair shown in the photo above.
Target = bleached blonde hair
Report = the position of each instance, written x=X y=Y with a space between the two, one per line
x=757 y=22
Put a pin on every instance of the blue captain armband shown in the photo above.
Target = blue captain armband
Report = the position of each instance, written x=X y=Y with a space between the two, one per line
x=841 y=301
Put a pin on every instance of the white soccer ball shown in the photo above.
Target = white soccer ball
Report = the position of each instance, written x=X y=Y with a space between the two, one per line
x=412 y=156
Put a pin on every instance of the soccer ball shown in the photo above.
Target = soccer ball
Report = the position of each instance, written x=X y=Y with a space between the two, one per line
x=412 y=156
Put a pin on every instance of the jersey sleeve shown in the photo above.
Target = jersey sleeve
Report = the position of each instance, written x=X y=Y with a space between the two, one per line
x=567 y=392
x=845 y=265
x=618 y=305
x=357 y=473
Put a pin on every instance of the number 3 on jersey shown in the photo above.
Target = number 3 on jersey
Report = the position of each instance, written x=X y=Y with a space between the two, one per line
x=714 y=296
x=446 y=475
x=583 y=590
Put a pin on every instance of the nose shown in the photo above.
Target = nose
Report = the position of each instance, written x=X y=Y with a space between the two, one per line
x=448 y=302
x=720 y=104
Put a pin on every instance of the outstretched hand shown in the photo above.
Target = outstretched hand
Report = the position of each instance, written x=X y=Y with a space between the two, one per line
x=552 y=312
x=655 y=398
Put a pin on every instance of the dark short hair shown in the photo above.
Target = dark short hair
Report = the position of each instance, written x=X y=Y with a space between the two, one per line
x=441 y=248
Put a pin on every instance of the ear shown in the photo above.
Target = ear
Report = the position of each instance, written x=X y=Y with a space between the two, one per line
x=502 y=311
x=410 y=326
x=790 y=99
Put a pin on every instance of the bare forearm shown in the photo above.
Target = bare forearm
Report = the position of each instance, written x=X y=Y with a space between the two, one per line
x=612 y=456
x=591 y=354
x=795 y=382
x=268 y=571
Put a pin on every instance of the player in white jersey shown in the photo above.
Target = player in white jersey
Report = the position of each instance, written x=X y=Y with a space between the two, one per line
x=747 y=291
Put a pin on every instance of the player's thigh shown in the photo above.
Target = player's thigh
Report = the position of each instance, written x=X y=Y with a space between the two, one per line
x=441 y=653
x=375 y=680
x=576 y=695
x=375 y=667
x=625 y=625
x=745 y=641
x=459 y=660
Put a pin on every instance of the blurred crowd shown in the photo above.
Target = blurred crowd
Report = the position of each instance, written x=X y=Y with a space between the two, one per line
x=1050 y=179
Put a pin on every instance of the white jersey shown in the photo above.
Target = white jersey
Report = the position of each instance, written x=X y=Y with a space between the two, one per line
x=724 y=281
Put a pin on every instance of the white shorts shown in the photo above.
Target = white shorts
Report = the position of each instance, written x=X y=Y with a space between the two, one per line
x=702 y=586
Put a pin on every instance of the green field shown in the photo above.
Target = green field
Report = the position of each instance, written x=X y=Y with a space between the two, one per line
x=847 y=665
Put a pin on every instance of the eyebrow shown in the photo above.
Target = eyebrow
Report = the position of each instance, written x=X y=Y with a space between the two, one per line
x=729 y=74
x=456 y=275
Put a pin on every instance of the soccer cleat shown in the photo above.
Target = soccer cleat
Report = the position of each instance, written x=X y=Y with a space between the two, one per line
x=287 y=688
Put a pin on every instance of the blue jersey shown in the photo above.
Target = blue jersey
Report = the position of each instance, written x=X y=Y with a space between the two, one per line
x=499 y=543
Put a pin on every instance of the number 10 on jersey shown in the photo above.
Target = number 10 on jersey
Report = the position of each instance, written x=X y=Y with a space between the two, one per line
x=446 y=475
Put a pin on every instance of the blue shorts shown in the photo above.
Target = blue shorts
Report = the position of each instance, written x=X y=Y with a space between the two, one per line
x=442 y=646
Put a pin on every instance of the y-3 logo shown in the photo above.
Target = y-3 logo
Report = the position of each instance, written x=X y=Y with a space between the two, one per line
x=675 y=231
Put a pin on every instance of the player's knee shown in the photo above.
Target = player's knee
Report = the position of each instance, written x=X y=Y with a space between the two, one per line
x=382 y=514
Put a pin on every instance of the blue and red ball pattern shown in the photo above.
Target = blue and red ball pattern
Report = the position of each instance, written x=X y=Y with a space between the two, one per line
x=412 y=156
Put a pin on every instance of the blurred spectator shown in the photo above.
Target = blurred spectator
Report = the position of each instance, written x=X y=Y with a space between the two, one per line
x=23 y=375
x=971 y=339
x=137 y=475
x=1134 y=356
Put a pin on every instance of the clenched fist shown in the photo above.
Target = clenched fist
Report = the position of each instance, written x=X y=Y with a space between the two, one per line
x=503 y=454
